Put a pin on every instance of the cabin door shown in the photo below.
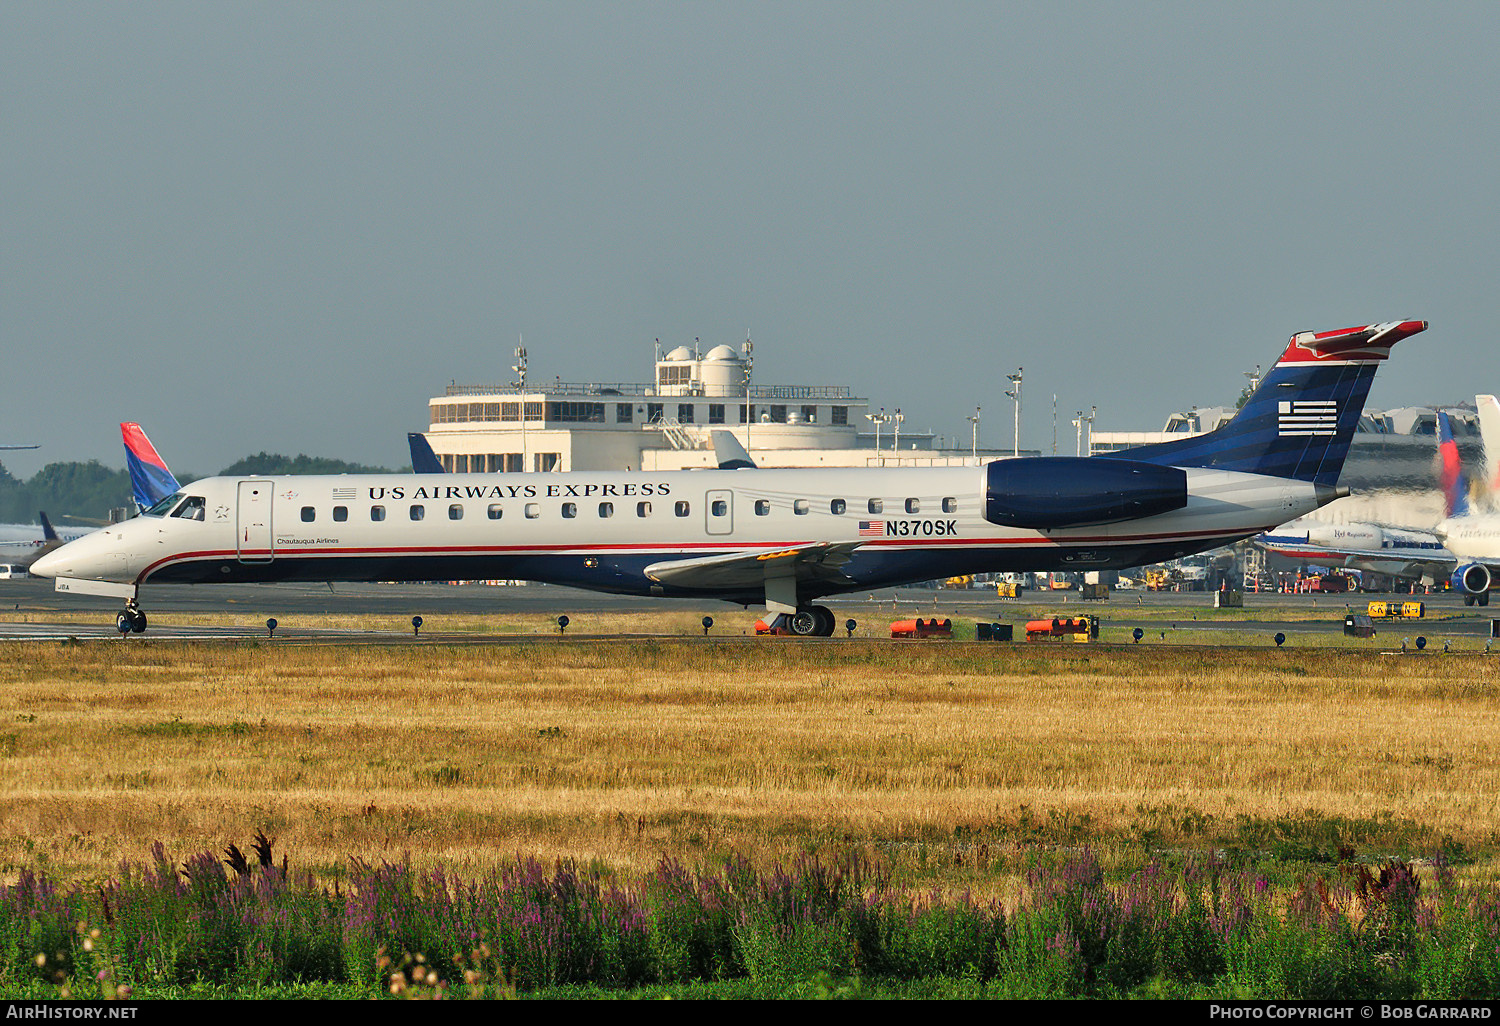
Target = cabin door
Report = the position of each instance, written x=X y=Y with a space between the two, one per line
x=719 y=509
x=253 y=527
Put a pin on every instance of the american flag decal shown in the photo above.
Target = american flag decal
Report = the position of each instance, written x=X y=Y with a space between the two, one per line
x=345 y=493
x=1303 y=417
x=871 y=528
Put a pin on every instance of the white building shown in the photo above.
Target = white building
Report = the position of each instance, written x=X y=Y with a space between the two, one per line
x=666 y=424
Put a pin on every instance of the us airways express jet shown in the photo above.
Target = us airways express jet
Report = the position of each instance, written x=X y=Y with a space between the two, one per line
x=779 y=538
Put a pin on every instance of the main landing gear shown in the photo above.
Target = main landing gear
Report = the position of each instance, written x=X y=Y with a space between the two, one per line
x=131 y=619
x=812 y=622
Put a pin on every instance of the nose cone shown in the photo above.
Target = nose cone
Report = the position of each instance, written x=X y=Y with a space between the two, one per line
x=99 y=556
x=46 y=565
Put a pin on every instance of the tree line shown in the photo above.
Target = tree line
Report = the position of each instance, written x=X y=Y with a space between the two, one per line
x=88 y=491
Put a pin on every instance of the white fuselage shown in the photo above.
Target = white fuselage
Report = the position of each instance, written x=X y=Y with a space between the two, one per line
x=602 y=530
x=1473 y=538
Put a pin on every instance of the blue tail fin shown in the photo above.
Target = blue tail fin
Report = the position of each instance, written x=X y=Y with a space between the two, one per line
x=423 y=459
x=1298 y=424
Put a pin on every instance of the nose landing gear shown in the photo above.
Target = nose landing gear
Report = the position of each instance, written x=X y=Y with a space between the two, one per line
x=131 y=619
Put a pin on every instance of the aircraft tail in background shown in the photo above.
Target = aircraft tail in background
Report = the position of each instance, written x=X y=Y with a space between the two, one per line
x=423 y=459
x=1455 y=482
x=150 y=480
x=1489 y=437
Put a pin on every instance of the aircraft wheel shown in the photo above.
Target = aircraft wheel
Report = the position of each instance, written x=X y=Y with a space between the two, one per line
x=123 y=622
x=1484 y=599
x=804 y=623
x=138 y=621
x=826 y=621
x=1468 y=600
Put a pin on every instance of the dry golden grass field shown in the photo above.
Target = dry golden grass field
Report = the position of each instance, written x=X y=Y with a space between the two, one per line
x=932 y=756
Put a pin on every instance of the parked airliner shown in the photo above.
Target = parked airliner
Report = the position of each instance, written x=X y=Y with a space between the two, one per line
x=1473 y=538
x=779 y=538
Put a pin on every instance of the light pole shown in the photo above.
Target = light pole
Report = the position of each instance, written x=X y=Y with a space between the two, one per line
x=974 y=444
x=1078 y=423
x=877 y=419
x=520 y=385
x=896 y=418
x=1015 y=393
x=749 y=351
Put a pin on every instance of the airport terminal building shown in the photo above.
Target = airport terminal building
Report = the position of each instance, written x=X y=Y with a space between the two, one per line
x=666 y=424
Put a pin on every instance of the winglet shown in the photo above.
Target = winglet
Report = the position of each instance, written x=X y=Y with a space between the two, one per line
x=729 y=452
x=150 y=480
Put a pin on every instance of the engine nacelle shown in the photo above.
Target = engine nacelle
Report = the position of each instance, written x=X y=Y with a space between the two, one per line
x=1048 y=492
x=1472 y=579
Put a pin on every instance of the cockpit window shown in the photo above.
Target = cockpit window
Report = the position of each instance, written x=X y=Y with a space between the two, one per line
x=161 y=508
x=193 y=509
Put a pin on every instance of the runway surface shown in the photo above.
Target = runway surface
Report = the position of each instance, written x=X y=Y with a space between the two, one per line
x=25 y=606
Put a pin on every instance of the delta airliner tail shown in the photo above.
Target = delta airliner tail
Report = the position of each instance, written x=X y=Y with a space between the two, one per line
x=150 y=480
x=1454 y=481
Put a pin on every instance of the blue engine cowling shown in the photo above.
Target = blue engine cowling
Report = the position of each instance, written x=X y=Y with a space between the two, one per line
x=1048 y=492
x=1472 y=579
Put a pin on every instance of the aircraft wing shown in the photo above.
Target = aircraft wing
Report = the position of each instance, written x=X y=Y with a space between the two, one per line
x=778 y=570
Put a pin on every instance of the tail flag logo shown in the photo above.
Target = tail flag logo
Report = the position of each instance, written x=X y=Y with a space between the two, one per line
x=1307 y=417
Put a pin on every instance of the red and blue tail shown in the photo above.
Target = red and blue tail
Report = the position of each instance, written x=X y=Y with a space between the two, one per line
x=1298 y=424
x=150 y=480
x=1451 y=472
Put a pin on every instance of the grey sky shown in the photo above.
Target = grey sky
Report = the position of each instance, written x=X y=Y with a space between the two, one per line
x=284 y=226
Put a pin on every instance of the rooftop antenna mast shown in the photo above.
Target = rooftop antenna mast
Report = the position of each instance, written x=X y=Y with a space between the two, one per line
x=519 y=368
x=749 y=350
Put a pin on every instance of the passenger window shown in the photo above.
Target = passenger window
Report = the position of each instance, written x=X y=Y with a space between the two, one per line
x=533 y=510
x=309 y=514
x=340 y=514
x=876 y=505
x=720 y=508
x=377 y=513
x=762 y=507
x=837 y=507
x=455 y=512
x=913 y=506
x=569 y=510
x=418 y=512
x=681 y=509
x=950 y=505
x=643 y=509
x=606 y=509
x=799 y=507
x=495 y=511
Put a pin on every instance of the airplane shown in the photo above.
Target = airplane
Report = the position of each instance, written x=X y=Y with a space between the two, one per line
x=781 y=538
x=21 y=543
x=1473 y=538
x=150 y=481
x=1396 y=552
